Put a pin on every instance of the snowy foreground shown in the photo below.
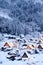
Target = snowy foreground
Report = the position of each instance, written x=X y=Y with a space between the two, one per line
x=37 y=61
x=33 y=59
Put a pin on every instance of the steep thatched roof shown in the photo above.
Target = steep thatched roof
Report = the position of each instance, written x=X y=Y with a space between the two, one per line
x=25 y=55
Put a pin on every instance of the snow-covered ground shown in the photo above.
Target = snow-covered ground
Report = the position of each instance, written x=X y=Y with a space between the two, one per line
x=36 y=59
x=33 y=59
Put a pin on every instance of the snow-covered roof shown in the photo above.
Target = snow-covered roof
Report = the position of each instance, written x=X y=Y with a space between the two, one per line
x=9 y=44
x=22 y=35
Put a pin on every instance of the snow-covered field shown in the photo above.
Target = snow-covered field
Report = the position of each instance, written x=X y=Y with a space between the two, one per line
x=33 y=59
x=36 y=59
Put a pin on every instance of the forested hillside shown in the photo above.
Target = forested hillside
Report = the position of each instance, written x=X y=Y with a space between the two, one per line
x=21 y=16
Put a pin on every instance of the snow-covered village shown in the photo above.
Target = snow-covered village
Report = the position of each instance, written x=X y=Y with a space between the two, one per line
x=21 y=49
x=21 y=32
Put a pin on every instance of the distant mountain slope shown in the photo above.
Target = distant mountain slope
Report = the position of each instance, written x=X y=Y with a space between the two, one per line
x=22 y=16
